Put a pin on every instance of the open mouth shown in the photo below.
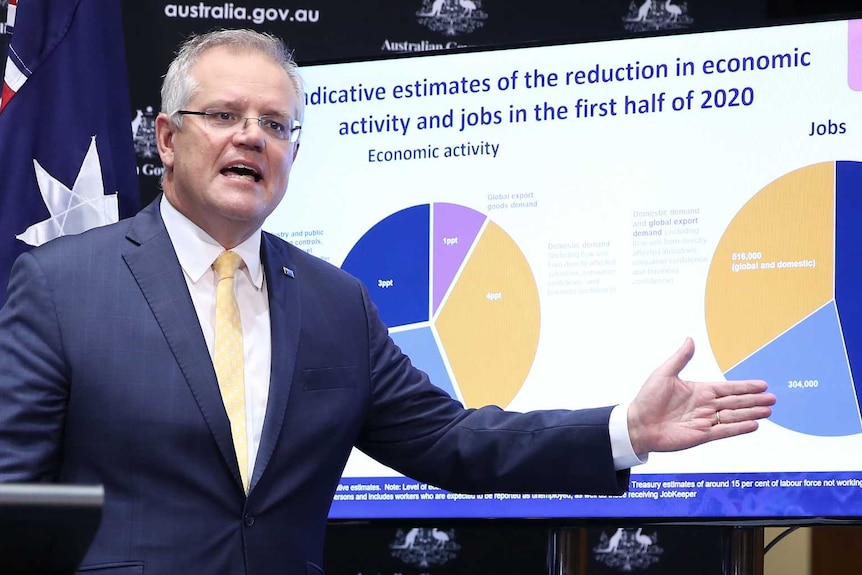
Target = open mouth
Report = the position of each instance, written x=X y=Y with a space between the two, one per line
x=242 y=171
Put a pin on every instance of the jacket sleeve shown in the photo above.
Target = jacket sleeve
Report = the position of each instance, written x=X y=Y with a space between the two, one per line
x=417 y=429
x=33 y=379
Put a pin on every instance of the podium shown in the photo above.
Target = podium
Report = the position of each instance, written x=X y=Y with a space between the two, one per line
x=46 y=529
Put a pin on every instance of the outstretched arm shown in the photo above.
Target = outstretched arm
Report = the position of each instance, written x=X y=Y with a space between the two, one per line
x=670 y=414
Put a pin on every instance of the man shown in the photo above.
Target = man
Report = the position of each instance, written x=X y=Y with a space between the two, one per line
x=113 y=369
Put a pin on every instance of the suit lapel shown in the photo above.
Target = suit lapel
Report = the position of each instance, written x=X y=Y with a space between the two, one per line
x=153 y=262
x=282 y=284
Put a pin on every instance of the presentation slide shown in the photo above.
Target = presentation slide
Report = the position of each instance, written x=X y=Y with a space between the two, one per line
x=542 y=227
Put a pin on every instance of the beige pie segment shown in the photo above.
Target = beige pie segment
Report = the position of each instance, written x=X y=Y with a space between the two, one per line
x=774 y=265
x=489 y=325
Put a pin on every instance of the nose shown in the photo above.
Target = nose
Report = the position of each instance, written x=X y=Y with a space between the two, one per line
x=250 y=134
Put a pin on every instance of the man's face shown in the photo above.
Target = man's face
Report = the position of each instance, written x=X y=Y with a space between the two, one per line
x=229 y=181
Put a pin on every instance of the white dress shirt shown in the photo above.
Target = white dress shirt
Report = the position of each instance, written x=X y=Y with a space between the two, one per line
x=197 y=251
x=621 y=443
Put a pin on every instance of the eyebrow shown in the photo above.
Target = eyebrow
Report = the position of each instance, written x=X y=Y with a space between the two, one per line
x=234 y=107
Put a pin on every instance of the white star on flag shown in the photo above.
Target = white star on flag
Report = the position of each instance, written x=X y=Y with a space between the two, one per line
x=73 y=211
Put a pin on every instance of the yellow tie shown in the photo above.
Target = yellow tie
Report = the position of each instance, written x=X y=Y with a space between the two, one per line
x=228 y=356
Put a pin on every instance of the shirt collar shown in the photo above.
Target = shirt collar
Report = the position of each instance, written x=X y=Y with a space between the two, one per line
x=197 y=250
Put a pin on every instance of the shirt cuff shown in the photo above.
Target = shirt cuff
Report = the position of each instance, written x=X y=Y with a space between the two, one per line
x=621 y=444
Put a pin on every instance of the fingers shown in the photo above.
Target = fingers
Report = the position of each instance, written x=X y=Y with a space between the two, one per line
x=731 y=429
x=743 y=401
x=748 y=404
x=678 y=360
x=740 y=387
x=731 y=416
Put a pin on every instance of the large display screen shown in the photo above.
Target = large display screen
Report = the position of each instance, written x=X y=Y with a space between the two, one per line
x=541 y=227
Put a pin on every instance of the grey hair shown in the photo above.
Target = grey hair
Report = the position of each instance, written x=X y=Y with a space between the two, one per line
x=180 y=86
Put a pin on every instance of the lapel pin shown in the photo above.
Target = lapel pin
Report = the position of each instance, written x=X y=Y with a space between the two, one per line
x=288 y=272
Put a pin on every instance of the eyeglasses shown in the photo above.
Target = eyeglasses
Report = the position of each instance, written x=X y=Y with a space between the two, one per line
x=273 y=125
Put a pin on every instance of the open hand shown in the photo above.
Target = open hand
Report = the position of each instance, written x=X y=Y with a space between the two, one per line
x=670 y=414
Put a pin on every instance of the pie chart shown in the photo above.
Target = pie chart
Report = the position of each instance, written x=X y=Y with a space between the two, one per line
x=458 y=296
x=783 y=297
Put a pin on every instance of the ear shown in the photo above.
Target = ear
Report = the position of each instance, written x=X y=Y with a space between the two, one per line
x=295 y=150
x=165 y=130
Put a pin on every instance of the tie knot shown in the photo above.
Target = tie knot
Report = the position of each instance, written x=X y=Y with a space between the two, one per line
x=226 y=264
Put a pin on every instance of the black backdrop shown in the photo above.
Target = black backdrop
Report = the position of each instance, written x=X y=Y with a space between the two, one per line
x=499 y=548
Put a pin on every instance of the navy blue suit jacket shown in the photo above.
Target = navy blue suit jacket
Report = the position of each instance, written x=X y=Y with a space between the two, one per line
x=105 y=378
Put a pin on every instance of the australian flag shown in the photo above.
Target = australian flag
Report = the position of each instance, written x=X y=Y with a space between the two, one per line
x=67 y=160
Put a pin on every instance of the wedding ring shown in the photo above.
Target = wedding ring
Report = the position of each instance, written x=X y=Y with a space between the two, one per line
x=717 y=418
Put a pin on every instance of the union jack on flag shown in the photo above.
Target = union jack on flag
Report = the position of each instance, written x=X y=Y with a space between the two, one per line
x=67 y=160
